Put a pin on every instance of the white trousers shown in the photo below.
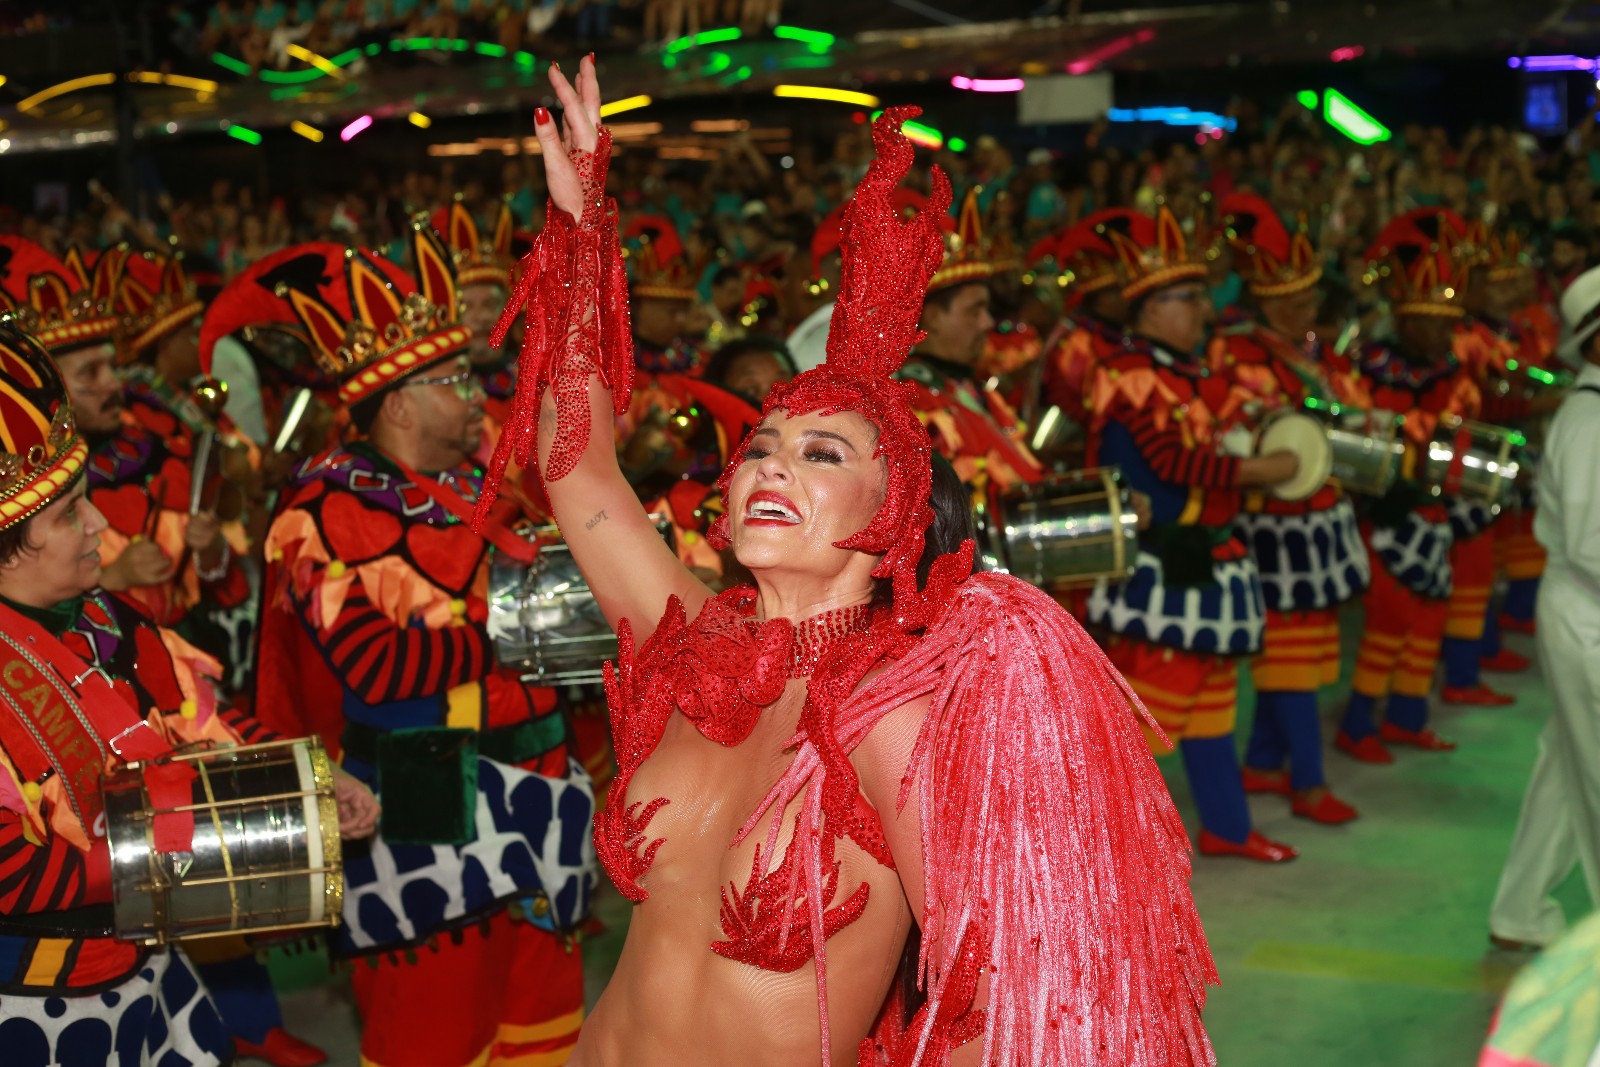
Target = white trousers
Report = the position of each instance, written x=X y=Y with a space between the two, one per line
x=1560 y=822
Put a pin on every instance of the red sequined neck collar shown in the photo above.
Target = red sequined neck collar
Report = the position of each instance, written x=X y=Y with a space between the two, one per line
x=815 y=637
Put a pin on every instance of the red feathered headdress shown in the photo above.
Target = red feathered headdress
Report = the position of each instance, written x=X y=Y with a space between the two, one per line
x=888 y=260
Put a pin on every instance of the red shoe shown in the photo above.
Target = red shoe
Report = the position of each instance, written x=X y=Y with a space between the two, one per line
x=1265 y=781
x=1477 y=696
x=1368 y=750
x=1255 y=847
x=1328 y=809
x=1516 y=626
x=281 y=1049
x=1423 y=738
x=1505 y=661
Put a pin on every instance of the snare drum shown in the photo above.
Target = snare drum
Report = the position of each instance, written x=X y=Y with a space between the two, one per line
x=1472 y=460
x=266 y=850
x=1366 y=450
x=1290 y=431
x=1071 y=529
x=543 y=618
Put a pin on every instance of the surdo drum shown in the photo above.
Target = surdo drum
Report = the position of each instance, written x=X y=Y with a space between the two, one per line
x=1070 y=529
x=266 y=852
x=1471 y=460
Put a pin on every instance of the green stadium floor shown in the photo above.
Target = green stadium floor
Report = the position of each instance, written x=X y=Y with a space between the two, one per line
x=1369 y=949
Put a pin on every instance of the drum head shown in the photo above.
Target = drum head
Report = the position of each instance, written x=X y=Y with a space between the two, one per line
x=1305 y=437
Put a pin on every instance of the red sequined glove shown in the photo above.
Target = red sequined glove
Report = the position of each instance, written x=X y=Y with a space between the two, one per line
x=572 y=284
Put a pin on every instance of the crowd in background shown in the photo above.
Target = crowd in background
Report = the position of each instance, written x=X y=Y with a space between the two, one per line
x=755 y=214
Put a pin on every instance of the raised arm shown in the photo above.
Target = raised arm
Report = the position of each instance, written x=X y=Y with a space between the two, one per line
x=576 y=372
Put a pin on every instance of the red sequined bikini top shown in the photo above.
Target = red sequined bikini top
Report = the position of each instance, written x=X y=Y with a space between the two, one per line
x=720 y=671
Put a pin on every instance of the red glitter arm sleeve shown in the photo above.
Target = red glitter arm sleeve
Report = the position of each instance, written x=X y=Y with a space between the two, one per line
x=573 y=288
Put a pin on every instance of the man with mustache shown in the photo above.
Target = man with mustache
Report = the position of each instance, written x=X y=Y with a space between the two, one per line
x=375 y=636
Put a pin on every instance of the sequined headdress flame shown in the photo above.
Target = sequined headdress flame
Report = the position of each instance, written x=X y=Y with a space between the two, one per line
x=1271 y=261
x=479 y=260
x=367 y=322
x=41 y=451
x=1420 y=262
x=64 y=304
x=888 y=261
x=155 y=296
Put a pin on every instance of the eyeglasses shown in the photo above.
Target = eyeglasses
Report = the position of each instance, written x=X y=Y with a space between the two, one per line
x=465 y=383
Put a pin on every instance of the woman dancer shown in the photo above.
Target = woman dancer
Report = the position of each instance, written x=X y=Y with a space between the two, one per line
x=869 y=743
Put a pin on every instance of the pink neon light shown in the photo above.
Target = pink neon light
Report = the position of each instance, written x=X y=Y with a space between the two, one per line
x=1085 y=63
x=355 y=127
x=988 y=85
x=1341 y=55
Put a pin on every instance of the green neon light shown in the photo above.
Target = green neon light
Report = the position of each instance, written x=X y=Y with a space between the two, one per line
x=1345 y=116
x=422 y=44
x=815 y=38
x=805 y=62
x=737 y=76
x=956 y=144
x=344 y=59
x=291 y=77
x=917 y=128
x=1308 y=99
x=288 y=93
x=524 y=59
x=719 y=62
x=484 y=48
x=669 y=61
x=374 y=48
x=683 y=44
x=227 y=62
x=241 y=133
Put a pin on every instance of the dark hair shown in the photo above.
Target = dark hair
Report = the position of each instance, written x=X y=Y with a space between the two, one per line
x=943 y=297
x=722 y=275
x=364 y=412
x=952 y=524
x=723 y=359
x=14 y=541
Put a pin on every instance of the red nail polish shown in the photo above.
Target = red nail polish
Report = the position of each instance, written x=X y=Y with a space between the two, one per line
x=541 y=116
x=591 y=59
x=554 y=65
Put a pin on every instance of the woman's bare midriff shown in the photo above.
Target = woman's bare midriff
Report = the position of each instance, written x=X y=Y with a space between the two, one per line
x=672 y=1000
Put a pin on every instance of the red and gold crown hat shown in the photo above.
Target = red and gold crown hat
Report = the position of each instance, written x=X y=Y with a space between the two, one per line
x=64 y=304
x=41 y=451
x=1271 y=261
x=1420 y=262
x=155 y=297
x=478 y=260
x=966 y=259
x=1155 y=253
x=367 y=323
x=1086 y=253
x=1500 y=252
x=657 y=266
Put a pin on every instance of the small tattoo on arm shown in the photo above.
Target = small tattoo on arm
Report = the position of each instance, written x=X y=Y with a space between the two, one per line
x=599 y=517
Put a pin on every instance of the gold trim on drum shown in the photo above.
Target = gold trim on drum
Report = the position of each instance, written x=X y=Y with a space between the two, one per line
x=328 y=817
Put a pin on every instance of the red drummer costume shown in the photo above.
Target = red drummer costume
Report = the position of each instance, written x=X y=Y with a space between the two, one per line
x=1420 y=264
x=1193 y=606
x=85 y=685
x=972 y=426
x=375 y=626
x=1309 y=551
x=1095 y=323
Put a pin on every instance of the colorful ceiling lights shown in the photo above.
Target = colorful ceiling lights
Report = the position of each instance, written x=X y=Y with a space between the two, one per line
x=822 y=92
x=1541 y=64
x=1115 y=47
x=242 y=133
x=349 y=132
x=309 y=132
x=1173 y=116
x=1344 y=115
x=627 y=103
x=988 y=85
x=1346 y=54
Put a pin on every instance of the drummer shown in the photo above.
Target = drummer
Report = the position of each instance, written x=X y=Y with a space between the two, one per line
x=142 y=1004
x=1309 y=550
x=1096 y=315
x=1193 y=605
x=483 y=271
x=376 y=612
x=971 y=425
x=1420 y=265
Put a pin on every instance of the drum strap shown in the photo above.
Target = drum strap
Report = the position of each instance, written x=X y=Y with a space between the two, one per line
x=1458 y=459
x=519 y=549
x=65 y=713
